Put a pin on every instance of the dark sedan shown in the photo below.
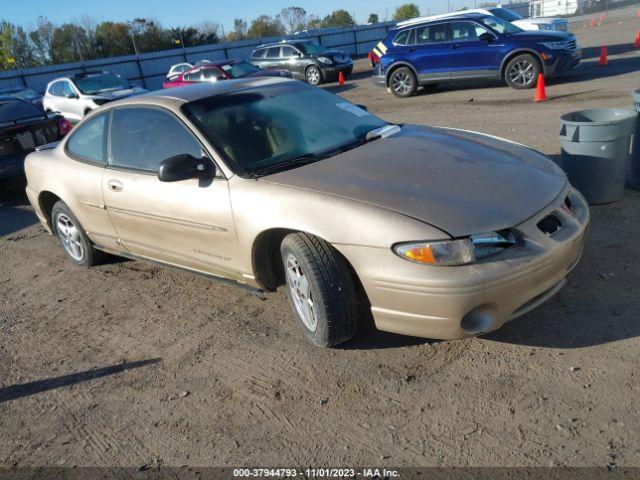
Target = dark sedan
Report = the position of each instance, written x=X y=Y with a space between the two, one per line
x=23 y=93
x=23 y=127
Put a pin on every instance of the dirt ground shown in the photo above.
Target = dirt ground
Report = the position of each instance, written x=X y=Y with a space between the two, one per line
x=127 y=364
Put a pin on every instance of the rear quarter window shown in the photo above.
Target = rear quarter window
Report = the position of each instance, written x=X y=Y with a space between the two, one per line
x=402 y=38
x=89 y=140
x=258 y=53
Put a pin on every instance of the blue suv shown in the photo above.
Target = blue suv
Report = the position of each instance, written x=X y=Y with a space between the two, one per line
x=471 y=46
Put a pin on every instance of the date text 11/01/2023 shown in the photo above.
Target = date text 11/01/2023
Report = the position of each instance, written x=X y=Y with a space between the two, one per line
x=316 y=472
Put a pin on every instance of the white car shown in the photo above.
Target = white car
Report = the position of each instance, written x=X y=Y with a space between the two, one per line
x=177 y=69
x=549 y=24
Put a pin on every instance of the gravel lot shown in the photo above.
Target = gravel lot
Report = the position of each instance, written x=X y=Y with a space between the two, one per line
x=128 y=364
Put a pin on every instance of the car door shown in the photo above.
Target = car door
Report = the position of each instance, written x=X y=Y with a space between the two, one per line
x=87 y=149
x=212 y=74
x=272 y=58
x=74 y=109
x=430 y=51
x=476 y=52
x=291 y=61
x=257 y=57
x=56 y=100
x=186 y=223
x=192 y=76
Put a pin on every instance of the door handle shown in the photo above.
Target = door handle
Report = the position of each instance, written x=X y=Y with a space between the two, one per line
x=455 y=46
x=114 y=185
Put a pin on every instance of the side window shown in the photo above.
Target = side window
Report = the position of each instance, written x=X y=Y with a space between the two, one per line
x=465 y=31
x=89 y=140
x=259 y=53
x=56 y=89
x=432 y=33
x=194 y=76
x=142 y=137
x=273 y=52
x=66 y=88
x=402 y=38
x=212 y=75
x=288 y=52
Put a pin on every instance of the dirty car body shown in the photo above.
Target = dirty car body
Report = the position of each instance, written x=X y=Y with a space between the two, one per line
x=440 y=233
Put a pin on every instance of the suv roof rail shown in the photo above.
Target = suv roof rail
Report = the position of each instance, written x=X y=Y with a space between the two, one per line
x=429 y=18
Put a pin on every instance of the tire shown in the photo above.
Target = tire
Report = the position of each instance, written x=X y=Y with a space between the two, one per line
x=317 y=276
x=72 y=237
x=522 y=71
x=403 y=82
x=313 y=75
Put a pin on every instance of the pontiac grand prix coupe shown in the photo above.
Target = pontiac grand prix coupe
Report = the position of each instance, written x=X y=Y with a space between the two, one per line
x=439 y=232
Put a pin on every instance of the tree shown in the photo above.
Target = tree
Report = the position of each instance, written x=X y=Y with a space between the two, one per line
x=69 y=44
x=15 y=49
x=294 y=19
x=313 y=22
x=41 y=38
x=373 y=18
x=338 y=18
x=265 y=26
x=239 y=31
x=113 y=39
x=406 y=11
x=209 y=32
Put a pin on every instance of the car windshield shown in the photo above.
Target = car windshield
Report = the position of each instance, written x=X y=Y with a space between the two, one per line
x=277 y=127
x=505 y=14
x=311 y=48
x=500 y=26
x=239 y=69
x=101 y=83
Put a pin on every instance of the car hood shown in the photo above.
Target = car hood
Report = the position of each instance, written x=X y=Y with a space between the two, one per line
x=539 y=36
x=458 y=181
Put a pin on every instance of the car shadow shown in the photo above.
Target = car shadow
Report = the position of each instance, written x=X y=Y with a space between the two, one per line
x=335 y=88
x=15 y=213
x=15 y=392
x=599 y=304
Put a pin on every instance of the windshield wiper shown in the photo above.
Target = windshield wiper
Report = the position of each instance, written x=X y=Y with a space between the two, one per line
x=288 y=164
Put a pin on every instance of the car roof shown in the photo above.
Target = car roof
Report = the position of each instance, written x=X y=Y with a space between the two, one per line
x=175 y=97
x=285 y=42
x=437 y=18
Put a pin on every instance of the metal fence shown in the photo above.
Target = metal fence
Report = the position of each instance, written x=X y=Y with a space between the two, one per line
x=149 y=69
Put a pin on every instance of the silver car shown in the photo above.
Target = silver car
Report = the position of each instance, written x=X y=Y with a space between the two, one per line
x=77 y=95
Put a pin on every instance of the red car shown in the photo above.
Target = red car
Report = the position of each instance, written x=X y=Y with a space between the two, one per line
x=223 y=70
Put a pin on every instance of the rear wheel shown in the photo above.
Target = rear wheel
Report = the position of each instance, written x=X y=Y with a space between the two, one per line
x=522 y=71
x=313 y=75
x=72 y=237
x=403 y=82
x=320 y=289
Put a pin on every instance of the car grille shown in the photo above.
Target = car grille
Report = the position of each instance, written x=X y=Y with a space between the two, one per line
x=340 y=59
x=572 y=45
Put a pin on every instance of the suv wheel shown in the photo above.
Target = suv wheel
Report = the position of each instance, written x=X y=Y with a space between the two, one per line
x=522 y=71
x=72 y=237
x=320 y=289
x=313 y=75
x=403 y=82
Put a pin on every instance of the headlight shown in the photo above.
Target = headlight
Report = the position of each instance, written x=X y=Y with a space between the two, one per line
x=325 y=60
x=448 y=252
x=457 y=252
x=555 y=45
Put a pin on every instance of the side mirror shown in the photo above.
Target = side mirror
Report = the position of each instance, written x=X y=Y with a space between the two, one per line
x=363 y=107
x=184 y=167
x=72 y=95
x=486 y=37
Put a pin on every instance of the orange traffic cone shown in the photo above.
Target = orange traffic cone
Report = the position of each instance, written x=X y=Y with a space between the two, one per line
x=541 y=93
x=593 y=22
x=603 y=17
x=636 y=44
x=340 y=79
x=603 y=57
x=638 y=14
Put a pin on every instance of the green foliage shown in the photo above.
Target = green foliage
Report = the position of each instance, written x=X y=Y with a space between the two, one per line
x=406 y=11
x=338 y=18
x=265 y=26
x=373 y=18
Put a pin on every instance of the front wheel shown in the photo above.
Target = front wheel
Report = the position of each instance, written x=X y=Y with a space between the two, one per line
x=522 y=72
x=403 y=82
x=313 y=75
x=320 y=289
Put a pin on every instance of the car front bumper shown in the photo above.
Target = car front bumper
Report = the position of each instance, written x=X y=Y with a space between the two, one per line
x=457 y=302
x=562 y=62
x=331 y=71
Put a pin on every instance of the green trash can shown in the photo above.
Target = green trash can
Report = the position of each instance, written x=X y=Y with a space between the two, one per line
x=634 y=168
x=596 y=148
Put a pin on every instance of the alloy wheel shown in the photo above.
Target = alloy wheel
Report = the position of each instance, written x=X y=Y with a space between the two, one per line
x=402 y=83
x=313 y=76
x=522 y=73
x=70 y=237
x=300 y=292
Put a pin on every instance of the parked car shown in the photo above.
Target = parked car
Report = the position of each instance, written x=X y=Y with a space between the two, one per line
x=23 y=128
x=223 y=70
x=24 y=93
x=305 y=60
x=471 y=47
x=75 y=96
x=236 y=180
x=176 y=70
x=554 y=24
